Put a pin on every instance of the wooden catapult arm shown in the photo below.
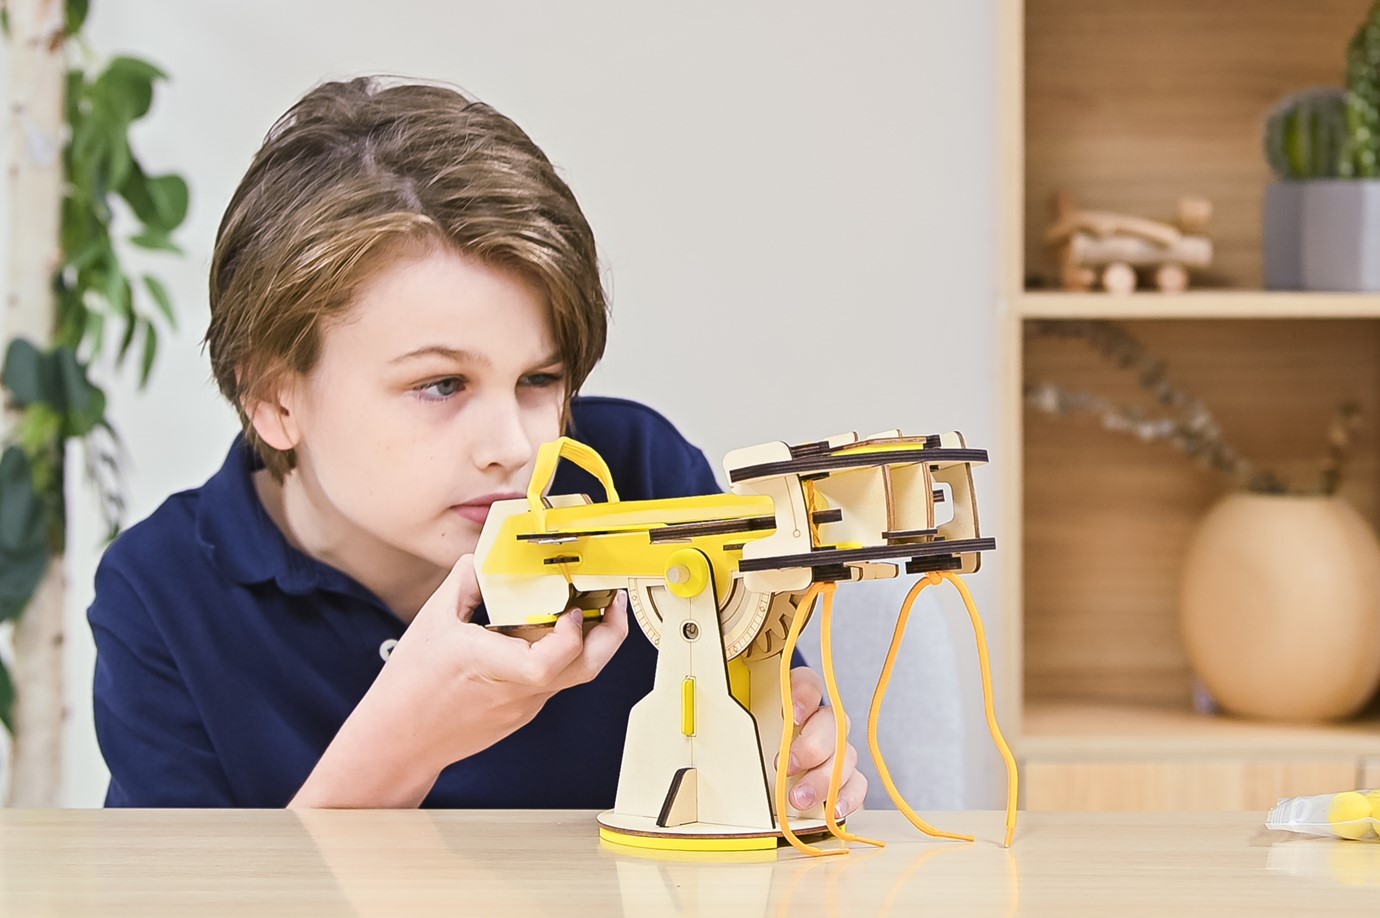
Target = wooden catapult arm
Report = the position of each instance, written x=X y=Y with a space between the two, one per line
x=722 y=585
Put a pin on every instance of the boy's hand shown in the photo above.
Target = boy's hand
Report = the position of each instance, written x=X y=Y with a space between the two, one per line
x=813 y=750
x=450 y=689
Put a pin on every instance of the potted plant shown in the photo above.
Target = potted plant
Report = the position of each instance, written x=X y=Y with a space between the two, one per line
x=1279 y=600
x=1322 y=216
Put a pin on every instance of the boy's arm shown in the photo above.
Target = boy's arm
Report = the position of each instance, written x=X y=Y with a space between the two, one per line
x=149 y=729
x=450 y=689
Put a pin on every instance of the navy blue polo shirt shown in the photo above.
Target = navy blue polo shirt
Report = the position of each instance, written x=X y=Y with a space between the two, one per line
x=226 y=660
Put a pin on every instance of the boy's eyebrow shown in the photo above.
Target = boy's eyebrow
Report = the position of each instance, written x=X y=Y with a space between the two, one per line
x=460 y=355
x=440 y=350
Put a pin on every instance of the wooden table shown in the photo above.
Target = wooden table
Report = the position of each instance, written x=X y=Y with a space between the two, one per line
x=252 y=862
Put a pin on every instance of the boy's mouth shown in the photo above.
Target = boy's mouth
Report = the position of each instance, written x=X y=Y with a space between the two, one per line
x=477 y=510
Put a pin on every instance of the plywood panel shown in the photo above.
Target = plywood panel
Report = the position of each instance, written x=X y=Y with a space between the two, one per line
x=1106 y=517
x=1206 y=785
x=1131 y=104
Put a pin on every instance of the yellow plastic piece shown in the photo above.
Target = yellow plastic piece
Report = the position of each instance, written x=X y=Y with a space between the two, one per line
x=688 y=843
x=687 y=706
x=1349 y=815
x=687 y=572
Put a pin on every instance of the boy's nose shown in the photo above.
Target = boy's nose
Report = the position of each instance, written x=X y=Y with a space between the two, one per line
x=503 y=441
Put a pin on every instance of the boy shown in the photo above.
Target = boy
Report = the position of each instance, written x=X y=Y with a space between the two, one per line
x=405 y=299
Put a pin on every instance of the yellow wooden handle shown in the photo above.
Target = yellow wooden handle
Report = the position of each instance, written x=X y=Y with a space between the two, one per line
x=550 y=456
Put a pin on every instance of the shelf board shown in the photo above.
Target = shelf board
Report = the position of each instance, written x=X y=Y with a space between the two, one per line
x=1082 y=731
x=1198 y=304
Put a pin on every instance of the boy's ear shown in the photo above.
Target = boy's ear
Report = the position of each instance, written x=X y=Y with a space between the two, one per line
x=273 y=418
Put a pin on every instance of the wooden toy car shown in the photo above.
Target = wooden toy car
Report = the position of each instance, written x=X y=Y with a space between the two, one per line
x=1099 y=247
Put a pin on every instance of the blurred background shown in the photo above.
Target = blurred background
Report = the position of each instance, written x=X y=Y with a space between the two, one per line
x=796 y=204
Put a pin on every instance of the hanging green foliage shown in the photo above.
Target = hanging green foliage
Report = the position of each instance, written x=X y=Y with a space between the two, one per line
x=109 y=203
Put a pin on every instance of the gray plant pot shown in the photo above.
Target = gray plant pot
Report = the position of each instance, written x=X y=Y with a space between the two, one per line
x=1323 y=234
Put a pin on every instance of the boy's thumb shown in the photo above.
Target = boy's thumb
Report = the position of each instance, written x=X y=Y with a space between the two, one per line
x=458 y=594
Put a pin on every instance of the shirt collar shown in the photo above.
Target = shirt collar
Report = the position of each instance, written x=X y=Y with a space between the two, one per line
x=244 y=542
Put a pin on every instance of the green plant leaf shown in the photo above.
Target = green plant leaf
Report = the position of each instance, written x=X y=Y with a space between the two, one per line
x=20 y=576
x=23 y=516
x=150 y=352
x=170 y=199
x=76 y=15
x=116 y=290
x=92 y=253
x=83 y=235
x=84 y=402
x=94 y=332
x=135 y=191
x=127 y=339
x=127 y=88
x=27 y=373
x=37 y=432
x=155 y=240
x=6 y=684
x=161 y=299
x=120 y=162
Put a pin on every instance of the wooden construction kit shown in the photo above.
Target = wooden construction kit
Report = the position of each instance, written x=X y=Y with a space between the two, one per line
x=723 y=584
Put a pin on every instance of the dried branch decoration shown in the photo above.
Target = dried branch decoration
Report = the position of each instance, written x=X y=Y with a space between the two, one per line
x=1186 y=423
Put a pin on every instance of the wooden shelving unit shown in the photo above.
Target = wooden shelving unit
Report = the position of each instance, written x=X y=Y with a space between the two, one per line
x=1199 y=304
x=1130 y=105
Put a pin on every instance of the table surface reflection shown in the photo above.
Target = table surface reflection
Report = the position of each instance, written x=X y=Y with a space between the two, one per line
x=509 y=863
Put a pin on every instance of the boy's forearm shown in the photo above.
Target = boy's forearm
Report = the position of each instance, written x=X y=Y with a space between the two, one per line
x=371 y=763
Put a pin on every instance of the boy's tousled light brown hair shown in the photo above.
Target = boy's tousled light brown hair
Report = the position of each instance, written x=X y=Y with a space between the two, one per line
x=359 y=172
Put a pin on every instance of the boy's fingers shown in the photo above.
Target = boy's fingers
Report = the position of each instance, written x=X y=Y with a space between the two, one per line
x=603 y=640
x=807 y=692
x=815 y=744
x=813 y=786
x=852 y=795
x=547 y=658
x=465 y=584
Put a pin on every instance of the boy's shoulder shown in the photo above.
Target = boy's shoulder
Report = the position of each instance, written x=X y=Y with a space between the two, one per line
x=169 y=532
x=648 y=456
x=608 y=416
x=176 y=542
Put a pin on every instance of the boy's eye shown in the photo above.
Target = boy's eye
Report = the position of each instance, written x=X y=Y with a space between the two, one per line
x=441 y=388
x=543 y=380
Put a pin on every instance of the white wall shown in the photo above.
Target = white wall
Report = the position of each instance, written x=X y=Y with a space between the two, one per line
x=795 y=203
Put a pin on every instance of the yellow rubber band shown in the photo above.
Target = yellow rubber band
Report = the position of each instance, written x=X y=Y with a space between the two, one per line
x=788 y=726
x=1012 y=781
x=874 y=716
x=831 y=800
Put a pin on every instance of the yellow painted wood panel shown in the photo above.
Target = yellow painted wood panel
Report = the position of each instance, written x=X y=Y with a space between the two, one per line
x=1205 y=785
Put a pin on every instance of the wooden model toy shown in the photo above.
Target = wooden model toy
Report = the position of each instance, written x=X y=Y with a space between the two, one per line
x=1097 y=246
x=722 y=585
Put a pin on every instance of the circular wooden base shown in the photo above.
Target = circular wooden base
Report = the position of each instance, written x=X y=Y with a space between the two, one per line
x=643 y=832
